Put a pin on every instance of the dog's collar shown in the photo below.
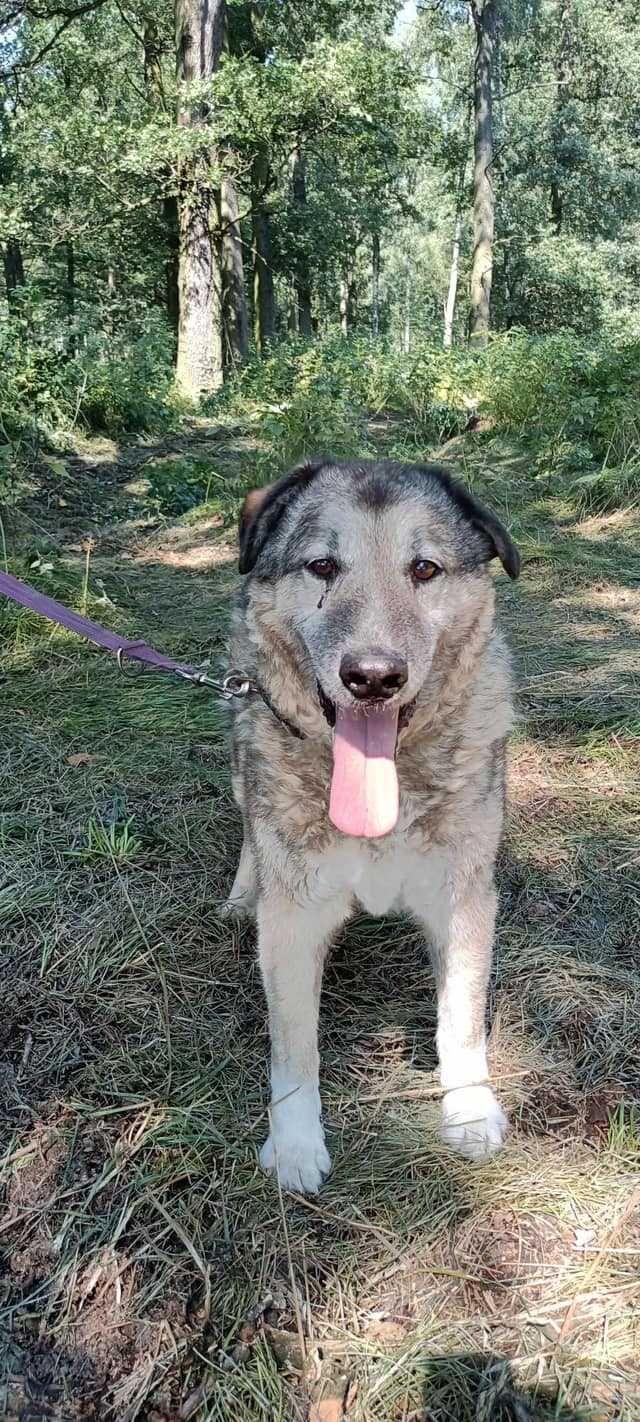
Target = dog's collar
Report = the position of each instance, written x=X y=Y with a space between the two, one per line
x=290 y=726
x=248 y=686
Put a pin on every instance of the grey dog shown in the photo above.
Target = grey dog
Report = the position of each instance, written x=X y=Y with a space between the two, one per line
x=374 y=777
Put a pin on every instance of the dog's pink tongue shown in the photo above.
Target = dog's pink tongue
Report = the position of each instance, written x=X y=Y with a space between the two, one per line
x=364 y=785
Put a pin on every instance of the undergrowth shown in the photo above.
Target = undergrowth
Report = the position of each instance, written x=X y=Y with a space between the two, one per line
x=51 y=382
x=575 y=403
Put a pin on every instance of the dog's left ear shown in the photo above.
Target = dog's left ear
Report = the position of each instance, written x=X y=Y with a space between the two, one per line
x=263 y=509
x=503 y=545
x=482 y=518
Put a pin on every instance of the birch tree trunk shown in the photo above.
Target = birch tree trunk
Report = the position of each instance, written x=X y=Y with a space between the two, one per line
x=236 y=315
x=302 y=279
x=264 y=300
x=344 y=305
x=199 y=41
x=484 y=19
x=450 y=303
x=406 y=333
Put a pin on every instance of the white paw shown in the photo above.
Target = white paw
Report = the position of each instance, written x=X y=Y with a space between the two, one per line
x=296 y=1144
x=303 y=1163
x=473 y=1122
x=243 y=905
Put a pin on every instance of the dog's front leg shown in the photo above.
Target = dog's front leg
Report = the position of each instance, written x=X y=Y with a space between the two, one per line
x=292 y=945
x=242 y=895
x=460 y=926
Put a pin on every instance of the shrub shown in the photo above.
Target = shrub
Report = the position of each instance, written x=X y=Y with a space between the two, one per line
x=314 y=397
x=125 y=382
x=304 y=401
x=178 y=485
x=31 y=388
x=118 y=382
x=554 y=286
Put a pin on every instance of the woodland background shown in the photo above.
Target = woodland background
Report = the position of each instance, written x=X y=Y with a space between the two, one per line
x=182 y=193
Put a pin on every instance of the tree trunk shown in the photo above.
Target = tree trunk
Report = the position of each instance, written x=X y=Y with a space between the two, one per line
x=234 y=296
x=172 y=261
x=344 y=305
x=454 y=269
x=199 y=40
x=264 y=301
x=152 y=53
x=152 y=57
x=236 y=315
x=484 y=19
x=352 y=298
x=301 y=279
x=13 y=267
x=450 y=304
x=70 y=294
x=406 y=334
x=563 y=80
x=375 y=286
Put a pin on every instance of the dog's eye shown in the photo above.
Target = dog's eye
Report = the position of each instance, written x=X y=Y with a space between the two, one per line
x=422 y=570
x=324 y=568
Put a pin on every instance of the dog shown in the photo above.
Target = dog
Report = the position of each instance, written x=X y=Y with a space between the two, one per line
x=372 y=773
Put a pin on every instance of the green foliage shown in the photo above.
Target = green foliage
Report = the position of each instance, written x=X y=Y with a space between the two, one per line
x=528 y=384
x=314 y=397
x=127 y=382
x=557 y=285
x=115 y=843
x=31 y=392
x=379 y=124
x=111 y=383
x=576 y=400
x=178 y=485
x=303 y=401
x=577 y=403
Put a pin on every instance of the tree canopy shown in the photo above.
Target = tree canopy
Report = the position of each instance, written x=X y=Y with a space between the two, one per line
x=281 y=168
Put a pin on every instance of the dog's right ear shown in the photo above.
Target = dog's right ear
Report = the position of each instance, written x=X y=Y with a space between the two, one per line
x=263 y=509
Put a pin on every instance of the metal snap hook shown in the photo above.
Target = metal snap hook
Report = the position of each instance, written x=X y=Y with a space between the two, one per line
x=235 y=684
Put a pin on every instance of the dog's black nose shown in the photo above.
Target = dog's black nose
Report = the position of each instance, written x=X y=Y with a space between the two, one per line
x=373 y=676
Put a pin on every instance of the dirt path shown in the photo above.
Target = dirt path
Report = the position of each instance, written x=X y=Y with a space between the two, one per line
x=147 y=1270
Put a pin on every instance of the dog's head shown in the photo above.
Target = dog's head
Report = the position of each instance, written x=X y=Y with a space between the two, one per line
x=367 y=565
x=365 y=570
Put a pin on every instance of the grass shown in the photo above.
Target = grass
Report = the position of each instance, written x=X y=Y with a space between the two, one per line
x=150 y=1270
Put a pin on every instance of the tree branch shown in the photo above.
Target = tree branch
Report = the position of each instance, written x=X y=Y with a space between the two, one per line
x=51 y=12
x=21 y=65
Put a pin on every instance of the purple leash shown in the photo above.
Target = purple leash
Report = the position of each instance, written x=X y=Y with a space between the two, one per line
x=234 y=684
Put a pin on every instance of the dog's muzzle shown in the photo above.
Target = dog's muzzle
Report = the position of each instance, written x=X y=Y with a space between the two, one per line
x=328 y=708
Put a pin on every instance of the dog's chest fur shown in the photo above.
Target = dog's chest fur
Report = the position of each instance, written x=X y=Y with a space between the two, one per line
x=450 y=795
x=381 y=879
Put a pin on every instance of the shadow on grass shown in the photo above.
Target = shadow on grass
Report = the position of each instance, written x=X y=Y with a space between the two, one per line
x=480 y=1387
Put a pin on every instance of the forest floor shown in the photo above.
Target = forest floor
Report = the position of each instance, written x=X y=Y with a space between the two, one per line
x=149 y=1269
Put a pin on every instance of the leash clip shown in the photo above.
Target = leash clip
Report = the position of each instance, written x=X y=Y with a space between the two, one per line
x=236 y=684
